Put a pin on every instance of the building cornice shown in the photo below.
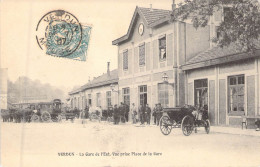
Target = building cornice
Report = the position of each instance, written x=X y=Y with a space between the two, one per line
x=220 y=60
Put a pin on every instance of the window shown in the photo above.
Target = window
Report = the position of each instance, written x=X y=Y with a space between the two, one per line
x=142 y=55
x=125 y=60
x=108 y=95
x=143 y=94
x=163 y=94
x=126 y=96
x=228 y=14
x=201 y=92
x=82 y=102
x=78 y=102
x=218 y=34
x=71 y=103
x=89 y=100
x=98 y=100
x=236 y=91
x=162 y=48
x=75 y=102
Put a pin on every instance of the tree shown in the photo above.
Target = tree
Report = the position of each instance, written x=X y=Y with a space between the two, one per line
x=25 y=89
x=240 y=26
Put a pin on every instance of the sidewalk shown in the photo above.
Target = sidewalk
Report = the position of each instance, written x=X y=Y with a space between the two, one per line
x=234 y=131
x=213 y=129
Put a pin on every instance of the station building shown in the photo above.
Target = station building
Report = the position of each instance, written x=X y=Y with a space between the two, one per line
x=152 y=52
x=167 y=61
x=197 y=72
x=227 y=81
x=102 y=92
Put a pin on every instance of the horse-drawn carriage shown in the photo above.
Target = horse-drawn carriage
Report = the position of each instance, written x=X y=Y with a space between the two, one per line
x=69 y=114
x=47 y=111
x=34 y=112
x=188 y=118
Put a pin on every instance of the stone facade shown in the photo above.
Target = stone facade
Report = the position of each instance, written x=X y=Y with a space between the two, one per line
x=182 y=42
x=97 y=92
x=220 y=102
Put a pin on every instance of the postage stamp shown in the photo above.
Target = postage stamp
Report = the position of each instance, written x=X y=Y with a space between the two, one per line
x=59 y=33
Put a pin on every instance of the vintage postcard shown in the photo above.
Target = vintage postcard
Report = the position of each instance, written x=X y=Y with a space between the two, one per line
x=128 y=83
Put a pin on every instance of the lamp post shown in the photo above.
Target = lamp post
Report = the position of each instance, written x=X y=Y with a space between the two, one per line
x=165 y=79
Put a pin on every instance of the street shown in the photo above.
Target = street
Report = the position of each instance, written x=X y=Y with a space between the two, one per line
x=104 y=144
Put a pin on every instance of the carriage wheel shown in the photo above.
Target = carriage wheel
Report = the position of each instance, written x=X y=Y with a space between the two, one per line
x=35 y=118
x=45 y=116
x=187 y=125
x=207 y=126
x=54 y=118
x=165 y=125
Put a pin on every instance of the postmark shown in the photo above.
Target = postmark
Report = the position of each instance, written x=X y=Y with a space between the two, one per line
x=59 y=33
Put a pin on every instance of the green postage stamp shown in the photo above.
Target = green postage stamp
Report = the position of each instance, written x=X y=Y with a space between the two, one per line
x=59 y=33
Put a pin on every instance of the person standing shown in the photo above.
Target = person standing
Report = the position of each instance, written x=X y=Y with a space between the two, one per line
x=116 y=115
x=82 y=117
x=159 y=113
x=122 y=112
x=87 y=112
x=126 y=112
x=147 y=114
x=154 y=113
x=142 y=112
x=134 y=113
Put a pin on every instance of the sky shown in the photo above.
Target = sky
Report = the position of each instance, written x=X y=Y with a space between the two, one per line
x=22 y=56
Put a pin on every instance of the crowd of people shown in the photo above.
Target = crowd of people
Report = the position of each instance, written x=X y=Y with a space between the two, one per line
x=144 y=114
x=121 y=113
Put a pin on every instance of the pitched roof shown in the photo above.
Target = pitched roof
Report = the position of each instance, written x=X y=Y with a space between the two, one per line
x=101 y=80
x=150 y=17
x=218 y=55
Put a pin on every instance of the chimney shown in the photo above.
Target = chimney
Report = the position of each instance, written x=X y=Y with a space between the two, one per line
x=151 y=7
x=173 y=5
x=108 y=70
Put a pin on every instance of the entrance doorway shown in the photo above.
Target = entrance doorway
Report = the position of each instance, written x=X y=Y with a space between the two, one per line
x=143 y=95
x=201 y=93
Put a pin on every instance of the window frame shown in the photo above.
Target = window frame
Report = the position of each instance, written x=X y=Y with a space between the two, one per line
x=143 y=92
x=226 y=12
x=165 y=92
x=125 y=56
x=236 y=85
x=159 y=48
x=98 y=99
x=108 y=98
x=201 y=85
x=89 y=100
x=139 y=54
x=126 y=95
